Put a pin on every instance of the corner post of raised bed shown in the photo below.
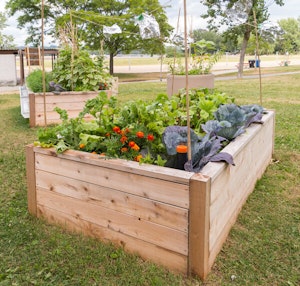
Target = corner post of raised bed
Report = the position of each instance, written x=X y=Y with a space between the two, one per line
x=31 y=184
x=198 y=258
x=32 y=119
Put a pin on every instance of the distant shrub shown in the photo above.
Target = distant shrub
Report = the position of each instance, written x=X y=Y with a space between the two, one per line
x=34 y=80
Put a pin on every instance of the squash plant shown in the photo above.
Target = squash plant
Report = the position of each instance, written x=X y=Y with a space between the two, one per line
x=78 y=71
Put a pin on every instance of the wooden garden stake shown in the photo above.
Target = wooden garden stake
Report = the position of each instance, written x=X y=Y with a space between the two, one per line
x=187 y=86
x=43 y=64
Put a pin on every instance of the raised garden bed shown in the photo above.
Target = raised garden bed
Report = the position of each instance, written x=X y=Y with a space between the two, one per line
x=177 y=82
x=72 y=101
x=174 y=218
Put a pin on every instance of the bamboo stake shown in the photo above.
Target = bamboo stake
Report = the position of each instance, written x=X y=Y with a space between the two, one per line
x=258 y=57
x=73 y=50
x=187 y=86
x=43 y=64
x=175 y=54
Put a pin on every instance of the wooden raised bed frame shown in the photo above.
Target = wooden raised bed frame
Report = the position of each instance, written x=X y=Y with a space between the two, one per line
x=177 y=82
x=174 y=218
x=72 y=101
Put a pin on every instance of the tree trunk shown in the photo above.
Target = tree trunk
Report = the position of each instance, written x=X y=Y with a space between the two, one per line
x=243 y=52
x=111 y=63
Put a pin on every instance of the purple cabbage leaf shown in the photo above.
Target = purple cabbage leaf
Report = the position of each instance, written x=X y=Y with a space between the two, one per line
x=207 y=150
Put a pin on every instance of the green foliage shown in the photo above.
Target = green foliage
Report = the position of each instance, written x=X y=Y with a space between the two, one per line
x=239 y=18
x=202 y=34
x=89 y=17
x=203 y=58
x=114 y=130
x=78 y=71
x=6 y=41
x=34 y=80
x=289 y=40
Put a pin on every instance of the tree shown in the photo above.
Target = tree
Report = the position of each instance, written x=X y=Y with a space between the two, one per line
x=6 y=41
x=240 y=18
x=213 y=36
x=90 y=16
x=124 y=14
x=290 y=39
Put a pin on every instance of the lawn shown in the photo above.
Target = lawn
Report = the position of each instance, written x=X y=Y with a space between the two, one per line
x=263 y=247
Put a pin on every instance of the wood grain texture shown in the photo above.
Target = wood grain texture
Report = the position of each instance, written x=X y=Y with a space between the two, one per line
x=73 y=102
x=31 y=180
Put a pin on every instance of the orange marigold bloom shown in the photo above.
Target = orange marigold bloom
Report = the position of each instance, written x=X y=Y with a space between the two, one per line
x=131 y=144
x=140 y=134
x=135 y=147
x=138 y=158
x=117 y=129
x=124 y=149
x=150 y=137
x=81 y=146
x=123 y=139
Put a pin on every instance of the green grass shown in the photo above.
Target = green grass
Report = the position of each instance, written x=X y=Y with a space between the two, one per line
x=150 y=76
x=126 y=60
x=263 y=247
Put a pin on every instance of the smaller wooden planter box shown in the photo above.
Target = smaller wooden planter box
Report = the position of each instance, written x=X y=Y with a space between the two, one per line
x=175 y=218
x=72 y=101
x=177 y=82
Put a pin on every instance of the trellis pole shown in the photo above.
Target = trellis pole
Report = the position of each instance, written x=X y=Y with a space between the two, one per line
x=258 y=57
x=43 y=64
x=187 y=86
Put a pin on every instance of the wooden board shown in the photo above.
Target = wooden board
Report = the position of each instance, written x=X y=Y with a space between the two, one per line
x=231 y=185
x=135 y=205
x=72 y=102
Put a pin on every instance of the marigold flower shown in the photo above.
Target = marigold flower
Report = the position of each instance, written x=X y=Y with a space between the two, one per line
x=150 y=137
x=138 y=158
x=135 y=147
x=123 y=139
x=117 y=129
x=81 y=146
x=131 y=144
x=124 y=149
x=140 y=134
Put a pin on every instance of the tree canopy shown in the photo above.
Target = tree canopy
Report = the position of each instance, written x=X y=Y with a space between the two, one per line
x=289 y=41
x=6 y=41
x=89 y=17
x=238 y=18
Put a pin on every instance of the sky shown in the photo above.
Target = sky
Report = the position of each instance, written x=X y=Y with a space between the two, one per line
x=173 y=9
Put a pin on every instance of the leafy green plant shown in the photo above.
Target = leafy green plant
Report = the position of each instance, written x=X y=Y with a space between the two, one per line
x=134 y=130
x=232 y=120
x=34 y=80
x=203 y=56
x=77 y=70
